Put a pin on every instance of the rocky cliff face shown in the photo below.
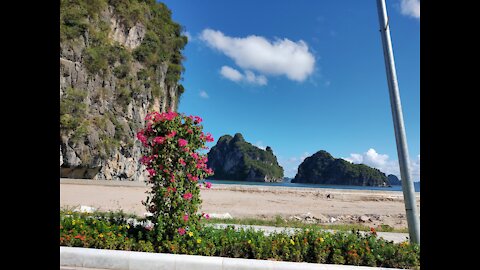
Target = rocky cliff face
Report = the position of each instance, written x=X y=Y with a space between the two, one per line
x=323 y=168
x=236 y=159
x=108 y=83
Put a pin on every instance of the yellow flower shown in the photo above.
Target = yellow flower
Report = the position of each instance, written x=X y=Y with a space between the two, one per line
x=100 y=235
x=321 y=240
x=292 y=242
x=249 y=241
x=73 y=222
x=128 y=226
x=190 y=233
x=199 y=240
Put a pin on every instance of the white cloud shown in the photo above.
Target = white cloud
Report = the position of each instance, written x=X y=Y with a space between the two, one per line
x=280 y=57
x=231 y=74
x=290 y=165
x=204 y=94
x=252 y=78
x=236 y=76
x=410 y=8
x=383 y=163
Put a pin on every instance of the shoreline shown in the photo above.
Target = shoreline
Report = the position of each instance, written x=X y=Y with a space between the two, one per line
x=239 y=187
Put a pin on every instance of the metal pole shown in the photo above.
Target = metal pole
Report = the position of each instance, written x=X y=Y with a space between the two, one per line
x=401 y=140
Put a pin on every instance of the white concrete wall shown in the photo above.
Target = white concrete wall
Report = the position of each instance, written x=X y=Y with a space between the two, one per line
x=132 y=260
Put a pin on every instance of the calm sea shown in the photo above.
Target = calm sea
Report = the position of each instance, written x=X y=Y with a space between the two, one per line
x=298 y=185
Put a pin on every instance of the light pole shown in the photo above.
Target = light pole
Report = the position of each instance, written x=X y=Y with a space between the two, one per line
x=401 y=140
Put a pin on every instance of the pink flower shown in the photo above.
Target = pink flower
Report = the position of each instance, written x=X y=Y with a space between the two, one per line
x=172 y=179
x=185 y=218
x=208 y=184
x=172 y=134
x=181 y=231
x=192 y=178
x=208 y=170
x=182 y=142
x=197 y=119
x=207 y=216
x=145 y=160
x=170 y=115
x=151 y=171
x=141 y=137
x=194 y=155
x=204 y=159
x=187 y=196
x=159 y=140
x=151 y=116
x=149 y=127
x=189 y=131
x=181 y=161
x=209 y=137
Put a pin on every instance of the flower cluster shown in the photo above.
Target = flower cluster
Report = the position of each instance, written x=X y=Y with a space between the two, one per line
x=175 y=166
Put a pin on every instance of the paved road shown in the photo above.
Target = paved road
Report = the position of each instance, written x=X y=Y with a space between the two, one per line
x=389 y=236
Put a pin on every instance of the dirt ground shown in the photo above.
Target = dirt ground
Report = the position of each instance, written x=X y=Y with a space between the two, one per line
x=320 y=205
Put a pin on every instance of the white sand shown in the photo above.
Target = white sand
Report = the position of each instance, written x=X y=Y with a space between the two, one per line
x=383 y=207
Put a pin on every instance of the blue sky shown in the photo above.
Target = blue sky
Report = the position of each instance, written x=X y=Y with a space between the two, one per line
x=302 y=76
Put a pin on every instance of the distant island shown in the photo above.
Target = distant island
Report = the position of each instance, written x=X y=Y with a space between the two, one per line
x=393 y=180
x=323 y=168
x=233 y=158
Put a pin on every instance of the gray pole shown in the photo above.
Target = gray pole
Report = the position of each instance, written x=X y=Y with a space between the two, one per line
x=402 y=149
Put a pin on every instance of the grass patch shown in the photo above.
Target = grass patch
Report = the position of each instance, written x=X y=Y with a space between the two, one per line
x=278 y=221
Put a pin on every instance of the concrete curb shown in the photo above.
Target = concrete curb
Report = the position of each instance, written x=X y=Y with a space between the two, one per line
x=133 y=260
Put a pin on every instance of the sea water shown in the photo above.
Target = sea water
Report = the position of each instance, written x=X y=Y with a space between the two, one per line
x=300 y=185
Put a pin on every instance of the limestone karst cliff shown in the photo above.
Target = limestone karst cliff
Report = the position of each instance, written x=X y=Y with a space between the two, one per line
x=233 y=158
x=323 y=168
x=119 y=59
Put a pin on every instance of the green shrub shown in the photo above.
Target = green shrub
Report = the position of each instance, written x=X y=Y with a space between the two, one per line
x=121 y=71
x=72 y=109
x=111 y=230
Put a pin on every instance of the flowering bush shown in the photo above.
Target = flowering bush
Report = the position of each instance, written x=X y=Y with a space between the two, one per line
x=307 y=245
x=175 y=168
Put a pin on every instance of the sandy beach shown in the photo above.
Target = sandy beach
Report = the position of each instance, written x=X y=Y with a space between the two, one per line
x=344 y=206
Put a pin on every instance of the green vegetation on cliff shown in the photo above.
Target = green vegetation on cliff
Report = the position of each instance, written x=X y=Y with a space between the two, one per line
x=323 y=168
x=162 y=42
x=233 y=158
